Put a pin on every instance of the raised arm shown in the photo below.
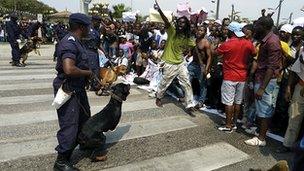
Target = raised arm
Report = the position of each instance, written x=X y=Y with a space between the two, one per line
x=162 y=15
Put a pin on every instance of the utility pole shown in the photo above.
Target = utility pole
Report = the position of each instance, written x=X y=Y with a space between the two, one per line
x=217 y=9
x=279 y=12
x=232 y=12
x=290 y=18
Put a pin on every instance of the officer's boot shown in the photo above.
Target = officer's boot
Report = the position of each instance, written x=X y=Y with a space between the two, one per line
x=62 y=162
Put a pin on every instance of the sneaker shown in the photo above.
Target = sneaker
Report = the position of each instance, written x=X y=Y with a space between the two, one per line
x=153 y=95
x=199 y=105
x=225 y=129
x=255 y=142
x=234 y=127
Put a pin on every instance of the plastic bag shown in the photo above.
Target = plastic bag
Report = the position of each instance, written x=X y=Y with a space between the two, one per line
x=61 y=98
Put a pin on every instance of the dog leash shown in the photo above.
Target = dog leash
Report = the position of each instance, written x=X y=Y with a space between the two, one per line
x=114 y=96
x=111 y=93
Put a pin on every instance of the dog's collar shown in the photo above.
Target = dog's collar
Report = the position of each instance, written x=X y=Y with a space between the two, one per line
x=114 y=96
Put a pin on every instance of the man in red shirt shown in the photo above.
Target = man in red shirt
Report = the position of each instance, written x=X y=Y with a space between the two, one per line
x=236 y=52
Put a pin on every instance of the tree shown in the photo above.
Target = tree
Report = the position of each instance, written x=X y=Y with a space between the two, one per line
x=119 y=9
x=31 y=6
x=99 y=9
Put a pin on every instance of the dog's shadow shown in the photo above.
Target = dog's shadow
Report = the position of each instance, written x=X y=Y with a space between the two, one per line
x=112 y=138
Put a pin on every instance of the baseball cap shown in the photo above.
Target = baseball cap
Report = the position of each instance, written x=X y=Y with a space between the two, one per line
x=236 y=28
x=287 y=28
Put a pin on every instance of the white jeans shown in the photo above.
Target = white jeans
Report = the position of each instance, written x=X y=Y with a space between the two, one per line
x=169 y=72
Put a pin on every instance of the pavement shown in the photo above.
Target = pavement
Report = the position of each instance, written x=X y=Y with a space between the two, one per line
x=147 y=138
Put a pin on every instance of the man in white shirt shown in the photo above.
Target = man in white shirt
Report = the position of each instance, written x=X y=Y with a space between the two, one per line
x=160 y=35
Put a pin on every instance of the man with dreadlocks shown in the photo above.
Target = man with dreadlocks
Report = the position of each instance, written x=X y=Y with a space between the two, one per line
x=178 y=42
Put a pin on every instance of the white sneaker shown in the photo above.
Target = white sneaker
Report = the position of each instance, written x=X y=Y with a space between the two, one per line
x=255 y=142
x=153 y=95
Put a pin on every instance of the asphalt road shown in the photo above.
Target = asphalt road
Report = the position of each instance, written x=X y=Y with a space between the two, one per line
x=147 y=138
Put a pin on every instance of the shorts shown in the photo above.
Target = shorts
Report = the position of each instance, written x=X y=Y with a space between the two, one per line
x=232 y=92
x=265 y=107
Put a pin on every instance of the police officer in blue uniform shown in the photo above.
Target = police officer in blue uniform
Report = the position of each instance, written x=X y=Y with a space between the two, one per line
x=60 y=31
x=13 y=32
x=92 y=44
x=73 y=71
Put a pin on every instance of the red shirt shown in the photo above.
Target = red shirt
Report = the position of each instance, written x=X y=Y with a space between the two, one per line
x=235 y=53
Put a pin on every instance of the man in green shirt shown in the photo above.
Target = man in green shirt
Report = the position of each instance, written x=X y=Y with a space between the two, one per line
x=179 y=40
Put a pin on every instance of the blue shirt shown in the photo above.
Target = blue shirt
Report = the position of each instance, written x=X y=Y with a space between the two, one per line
x=71 y=47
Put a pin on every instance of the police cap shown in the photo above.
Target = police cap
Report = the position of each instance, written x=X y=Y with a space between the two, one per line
x=80 y=19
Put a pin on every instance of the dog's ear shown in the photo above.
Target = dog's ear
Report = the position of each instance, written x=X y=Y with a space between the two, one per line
x=115 y=69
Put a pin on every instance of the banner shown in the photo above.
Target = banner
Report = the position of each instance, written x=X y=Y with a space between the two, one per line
x=155 y=17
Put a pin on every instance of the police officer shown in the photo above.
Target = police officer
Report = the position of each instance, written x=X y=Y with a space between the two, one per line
x=73 y=71
x=13 y=32
x=92 y=44
x=60 y=31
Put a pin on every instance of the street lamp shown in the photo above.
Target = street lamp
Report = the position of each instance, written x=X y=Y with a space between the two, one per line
x=217 y=8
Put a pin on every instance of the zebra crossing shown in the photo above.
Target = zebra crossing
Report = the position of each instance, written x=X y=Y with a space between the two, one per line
x=28 y=126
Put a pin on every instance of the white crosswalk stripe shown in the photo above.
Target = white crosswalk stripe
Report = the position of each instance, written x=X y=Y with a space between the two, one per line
x=41 y=98
x=14 y=147
x=44 y=116
x=202 y=159
x=10 y=151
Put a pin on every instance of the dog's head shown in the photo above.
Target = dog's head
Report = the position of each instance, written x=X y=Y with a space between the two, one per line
x=121 y=90
x=120 y=70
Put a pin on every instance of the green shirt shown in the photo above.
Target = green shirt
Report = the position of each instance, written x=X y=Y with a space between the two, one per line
x=175 y=46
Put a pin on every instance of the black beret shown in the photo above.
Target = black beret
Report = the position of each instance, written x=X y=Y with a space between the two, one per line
x=80 y=19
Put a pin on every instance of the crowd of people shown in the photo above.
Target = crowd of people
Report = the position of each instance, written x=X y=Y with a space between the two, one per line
x=249 y=71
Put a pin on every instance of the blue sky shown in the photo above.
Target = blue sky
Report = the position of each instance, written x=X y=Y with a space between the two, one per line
x=248 y=8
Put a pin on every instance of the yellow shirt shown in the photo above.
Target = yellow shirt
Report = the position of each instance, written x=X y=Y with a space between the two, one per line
x=175 y=46
x=285 y=47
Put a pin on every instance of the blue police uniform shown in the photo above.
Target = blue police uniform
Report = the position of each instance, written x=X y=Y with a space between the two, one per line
x=75 y=112
x=13 y=32
x=60 y=32
x=92 y=44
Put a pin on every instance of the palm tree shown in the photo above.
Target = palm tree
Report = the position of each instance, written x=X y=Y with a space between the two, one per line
x=119 y=9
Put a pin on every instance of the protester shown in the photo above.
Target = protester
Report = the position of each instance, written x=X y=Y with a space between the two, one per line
x=269 y=65
x=295 y=85
x=199 y=68
x=178 y=41
x=236 y=53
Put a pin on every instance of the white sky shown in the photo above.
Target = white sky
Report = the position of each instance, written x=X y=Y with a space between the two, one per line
x=248 y=8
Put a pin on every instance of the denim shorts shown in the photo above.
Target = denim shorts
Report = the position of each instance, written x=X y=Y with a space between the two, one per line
x=265 y=107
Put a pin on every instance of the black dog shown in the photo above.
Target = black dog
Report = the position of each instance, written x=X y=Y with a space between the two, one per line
x=91 y=135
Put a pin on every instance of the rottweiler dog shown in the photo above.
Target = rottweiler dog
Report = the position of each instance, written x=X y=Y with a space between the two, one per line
x=91 y=136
